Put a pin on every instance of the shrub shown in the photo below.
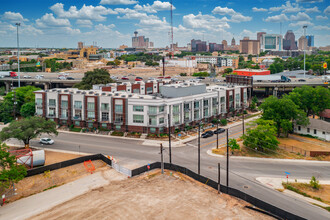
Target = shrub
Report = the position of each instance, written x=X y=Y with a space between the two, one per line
x=117 y=133
x=183 y=74
x=177 y=130
x=244 y=112
x=75 y=129
x=201 y=74
x=314 y=183
x=71 y=126
x=233 y=144
x=223 y=122
x=163 y=135
x=215 y=121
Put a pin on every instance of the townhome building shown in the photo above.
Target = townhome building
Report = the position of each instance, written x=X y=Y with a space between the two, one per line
x=180 y=105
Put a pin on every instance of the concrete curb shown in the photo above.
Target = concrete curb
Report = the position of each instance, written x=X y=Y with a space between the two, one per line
x=209 y=152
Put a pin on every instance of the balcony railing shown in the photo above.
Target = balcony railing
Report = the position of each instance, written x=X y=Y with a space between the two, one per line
x=76 y=117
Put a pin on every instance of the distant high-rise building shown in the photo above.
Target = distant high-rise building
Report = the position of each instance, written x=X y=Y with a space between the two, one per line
x=194 y=44
x=140 y=41
x=80 y=45
x=259 y=35
x=201 y=46
x=225 y=44
x=248 y=46
x=215 y=47
x=302 y=43
x=289 y=41
x=271 y=42
x=233 y=42
x=310 y=40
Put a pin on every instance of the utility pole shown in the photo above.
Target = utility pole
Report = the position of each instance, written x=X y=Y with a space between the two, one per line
x=19 y=74
x=218 y=178
x=227 y=167
x=305 y=40
x=14 y=107
x=199 y=148
x=217 y=134
x=161 y=158
x=243 y=117
x=169 y=133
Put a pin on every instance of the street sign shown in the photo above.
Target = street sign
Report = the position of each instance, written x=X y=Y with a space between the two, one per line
x=287 y=177
x=38 y=64
x=325 y=65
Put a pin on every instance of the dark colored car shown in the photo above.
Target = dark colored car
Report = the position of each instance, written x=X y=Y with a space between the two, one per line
x=301 y=80
x=200 y=77
x=69 y=78
x=138 y=77
x=219 y=131
x=207 y=134
x=124 y=78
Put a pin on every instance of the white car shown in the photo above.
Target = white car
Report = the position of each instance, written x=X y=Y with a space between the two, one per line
x=46 y=141
x=39 y=77
x=62 y=77
x=27 y=77
x=151 y=78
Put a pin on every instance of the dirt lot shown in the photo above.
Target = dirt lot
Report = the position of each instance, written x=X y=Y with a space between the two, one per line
x=153 y=196
x=305 y=143
x=55 y=157
x=38 y=183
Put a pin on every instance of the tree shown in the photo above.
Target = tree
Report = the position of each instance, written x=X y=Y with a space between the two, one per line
x=261 y=136
x=27 y=129
x=10 y=172
x=286 y=126
x=282 y=109
x=232 y=143
x=28 y=109
x=97 y=76
x=228 y=70
x=250 y=57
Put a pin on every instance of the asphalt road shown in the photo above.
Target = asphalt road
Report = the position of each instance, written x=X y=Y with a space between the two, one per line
x=243 y=172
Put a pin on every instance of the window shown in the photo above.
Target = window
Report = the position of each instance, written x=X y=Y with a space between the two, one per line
x=161 y=108
x=64 y=113
x=138 y=119
x=152 y=130
x=152 y=110
x=176 y=119
x=78 y=104
x=231 y=98
x=104 y=125
x=149 y=90
x=152 y=120
x=299 y=128
x=118 y=108
x=206 y=103
x=323 y=132
x=186 y=106
x=52 y=102
x=64 y=104
x=118 y=127
x=91 y=106
x=222 y=99
x=161 y=130
x=77 y=123
x=51 y=112
x=77 y=114
x=39 y=111
x=161 y=120
x=119 y=118
x=196 y=104
x=91 y=115
x=104 y=107
x=105 y=116
x=187 y=116
x=315 y=132
x=308 y=130
x=206 y=112
x=136 y=90
x=138 y=108
x=90 y=124
x=175 y=109
x=214 y=101
x=39 y=102
x=196 y=114
x=215 y=111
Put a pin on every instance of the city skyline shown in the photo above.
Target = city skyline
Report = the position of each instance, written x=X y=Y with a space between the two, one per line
x=112 y=23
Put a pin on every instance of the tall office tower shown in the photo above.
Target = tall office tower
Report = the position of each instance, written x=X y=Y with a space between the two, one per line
x=80 y=45
x=302 y=43
x=233 y=42
x=271 y=42
x=259 y=35
x=140 y=41
x=248 y=46
x=289 y=41
x=225 y=44
x=135 y=40
x=310 y=40
x=194 y=44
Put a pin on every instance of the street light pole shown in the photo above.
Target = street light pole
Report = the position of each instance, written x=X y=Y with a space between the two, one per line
x=199 y=148
x=227 y=167
x=305 y=27
x=19 y=74
x=217 y=134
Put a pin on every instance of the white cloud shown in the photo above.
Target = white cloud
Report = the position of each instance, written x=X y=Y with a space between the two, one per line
x=13 y=16
x=84 y=23
x=327 y=10
x=156 y=6
x=90 y=12
x=287 y=8
x=321 y=28
x=320 y=17
x=131 y=14
x=312 y=10
x=223 y=11
x=237 y=18
x=208 y=22
x=301 y=23
x=301 y=16
x=118 y=2
x=48 y=20
x=309 y=1
x=277 y=18
x=255 y=9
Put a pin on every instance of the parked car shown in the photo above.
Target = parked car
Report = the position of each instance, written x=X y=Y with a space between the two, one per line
x=39 y=77
x=151 y=78
x=219 y=131
x=138 y=79
x=124 y=78
x=46 y=141
x=27 y=77
x=167 y=77
x=200 y=77
x=69 y=78
x=301 y=80
x=61 y=77
x=160 y=77
x=114 y=77
x=207 y=134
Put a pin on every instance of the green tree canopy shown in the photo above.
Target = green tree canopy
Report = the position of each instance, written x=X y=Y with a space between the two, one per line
x=282 y=109
x=97 y=76
x=28 y=109
x=232 y=143
x=261 y=136
x=27 y=129
x=10 y=172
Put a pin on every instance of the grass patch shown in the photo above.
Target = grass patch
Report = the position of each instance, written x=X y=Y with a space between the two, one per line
x=50 y=188
x=75 y=129
x=308 y=135
x=326 y=208
x=117 y=133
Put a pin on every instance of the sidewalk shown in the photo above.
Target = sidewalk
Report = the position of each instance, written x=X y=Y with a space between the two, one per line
x=28 y=207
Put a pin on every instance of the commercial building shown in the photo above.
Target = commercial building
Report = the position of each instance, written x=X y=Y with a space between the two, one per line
x=302 y=43
x=80 y=45
x=271 y=42
x=251 y=72
x=185 y=62
x=141 y=42
x=248 y=46
x=227 y=61
x=259 y=35
x=289 y=42
x=126 y=109
x=86 y=52
x=310 y=40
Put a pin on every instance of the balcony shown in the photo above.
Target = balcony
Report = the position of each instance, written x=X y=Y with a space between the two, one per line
x=76 y=117
x=51 y=116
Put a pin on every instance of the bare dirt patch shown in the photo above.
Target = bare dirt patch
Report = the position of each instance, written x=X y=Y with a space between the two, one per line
x=316 y=145
x=38 y=183
x=153 y=196
x=55 y=157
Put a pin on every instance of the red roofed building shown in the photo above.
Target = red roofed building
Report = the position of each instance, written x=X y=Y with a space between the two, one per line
x=251 y=72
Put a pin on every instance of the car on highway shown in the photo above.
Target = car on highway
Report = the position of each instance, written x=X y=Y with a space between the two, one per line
x=46 y=141
x=200 y=77
x=219 y=131
x=301 y=80
x=61 y=77
x=160 y=77
x=151 y=78
x=124 y=78
x=207 y=134
x=27 y=77
x=69 y=78
x=114 y=77
x=39 y=77
x=138 y=79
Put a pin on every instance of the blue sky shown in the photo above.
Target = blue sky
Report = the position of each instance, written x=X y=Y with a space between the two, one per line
x=55 y=23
